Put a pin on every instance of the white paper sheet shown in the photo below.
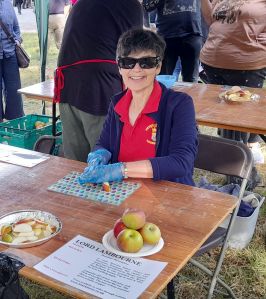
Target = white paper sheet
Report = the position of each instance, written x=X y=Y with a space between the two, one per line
x=88 y=266
x=20 y=156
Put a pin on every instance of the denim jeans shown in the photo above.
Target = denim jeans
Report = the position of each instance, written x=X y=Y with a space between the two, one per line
x=9 y=84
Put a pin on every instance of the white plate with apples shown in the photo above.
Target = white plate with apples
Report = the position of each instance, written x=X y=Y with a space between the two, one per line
x=132 y=236
x=110 y=243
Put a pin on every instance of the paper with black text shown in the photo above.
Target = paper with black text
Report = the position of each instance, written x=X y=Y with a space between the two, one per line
x=20 y=156
x=88 y=266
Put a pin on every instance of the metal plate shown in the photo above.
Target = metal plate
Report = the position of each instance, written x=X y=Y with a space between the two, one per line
x=253 y=97
x=18 y=215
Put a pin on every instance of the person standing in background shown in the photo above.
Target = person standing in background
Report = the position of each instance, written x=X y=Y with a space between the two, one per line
x=87 y=74
x=58 y=11
x=9 y=71
x=235 y=52
x=26 y=4
x=179 y=22
x=18 y=5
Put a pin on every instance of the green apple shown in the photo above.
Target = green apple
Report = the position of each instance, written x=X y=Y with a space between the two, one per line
x=133 y=218
x=151 y=233
x=129 y=240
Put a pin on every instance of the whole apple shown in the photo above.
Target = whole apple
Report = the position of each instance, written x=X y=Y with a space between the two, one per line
x=118 y=227
x=151 y=233
x=134 y=218
x=129 y=240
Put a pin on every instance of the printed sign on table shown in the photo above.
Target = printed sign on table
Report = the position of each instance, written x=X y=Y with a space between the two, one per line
x=88 y=266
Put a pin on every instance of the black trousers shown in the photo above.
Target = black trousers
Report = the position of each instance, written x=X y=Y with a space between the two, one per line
x=19 y=7
x=187 y=49
x=249 y=78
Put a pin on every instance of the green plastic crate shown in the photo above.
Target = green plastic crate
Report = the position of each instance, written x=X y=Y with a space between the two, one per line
x=21 y=132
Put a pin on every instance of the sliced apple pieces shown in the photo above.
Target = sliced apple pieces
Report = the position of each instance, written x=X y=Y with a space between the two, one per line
x=26 y=234
x=7 y=238
x=37 y=231
x=22 y=228
x=26 y=230
x=6 y=229
x=19 y=240
x=29 y=221
x=46 y=233
x=106 y=187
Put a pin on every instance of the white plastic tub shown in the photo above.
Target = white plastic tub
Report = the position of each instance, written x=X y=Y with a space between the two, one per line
x=244 y=227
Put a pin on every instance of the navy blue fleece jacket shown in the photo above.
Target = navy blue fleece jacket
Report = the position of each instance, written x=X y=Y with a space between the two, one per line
x=176 y=139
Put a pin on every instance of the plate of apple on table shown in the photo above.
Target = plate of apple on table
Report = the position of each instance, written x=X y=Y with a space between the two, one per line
x=133 y=236
x=28 y=228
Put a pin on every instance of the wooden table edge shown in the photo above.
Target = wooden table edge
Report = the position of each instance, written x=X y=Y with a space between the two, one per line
x=224 y=126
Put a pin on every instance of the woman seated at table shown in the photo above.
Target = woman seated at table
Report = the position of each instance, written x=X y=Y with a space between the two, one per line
x=150 y=130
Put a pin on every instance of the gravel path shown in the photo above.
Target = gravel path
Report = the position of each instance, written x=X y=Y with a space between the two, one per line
x=27 y=20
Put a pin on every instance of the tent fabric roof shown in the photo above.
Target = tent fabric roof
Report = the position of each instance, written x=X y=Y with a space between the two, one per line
x=42 y=15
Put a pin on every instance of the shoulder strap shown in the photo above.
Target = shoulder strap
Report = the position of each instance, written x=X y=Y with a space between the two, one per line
x=8 y=34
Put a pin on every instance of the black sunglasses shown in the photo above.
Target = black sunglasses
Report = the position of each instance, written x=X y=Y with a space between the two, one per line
x=144 y=62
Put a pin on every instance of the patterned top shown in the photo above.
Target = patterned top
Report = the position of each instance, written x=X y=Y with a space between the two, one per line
x=232 y=42
x=176 y=18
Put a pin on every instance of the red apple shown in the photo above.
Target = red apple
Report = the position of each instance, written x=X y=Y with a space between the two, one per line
x=118 y=227
x=134 y=218
x=129 y=240
x=151 y=233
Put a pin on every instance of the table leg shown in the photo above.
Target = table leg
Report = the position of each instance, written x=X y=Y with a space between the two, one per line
x=171 y=290
x=43 y=107
x=54 y=119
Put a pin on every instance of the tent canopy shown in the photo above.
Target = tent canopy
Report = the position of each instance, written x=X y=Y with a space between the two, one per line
x=42 y=15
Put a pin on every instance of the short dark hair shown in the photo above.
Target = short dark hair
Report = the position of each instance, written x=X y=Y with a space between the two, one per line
x=137 y=40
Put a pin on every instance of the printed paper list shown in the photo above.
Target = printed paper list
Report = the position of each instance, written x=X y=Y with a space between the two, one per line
x=88 y=266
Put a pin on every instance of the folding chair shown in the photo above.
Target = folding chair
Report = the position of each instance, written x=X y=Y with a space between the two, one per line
x=47 y=144
x=226 y=157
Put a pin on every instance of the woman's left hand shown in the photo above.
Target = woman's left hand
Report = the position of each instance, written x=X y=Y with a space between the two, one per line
x=261 y=38
x=102 y=173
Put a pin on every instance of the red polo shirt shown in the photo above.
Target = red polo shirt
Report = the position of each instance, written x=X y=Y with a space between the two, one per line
x=138 y=141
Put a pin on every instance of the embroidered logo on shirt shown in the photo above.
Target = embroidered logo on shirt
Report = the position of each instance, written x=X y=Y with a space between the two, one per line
x=153 y=128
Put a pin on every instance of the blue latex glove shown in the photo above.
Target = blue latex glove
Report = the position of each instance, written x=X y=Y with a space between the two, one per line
x=102 y=173
x=99 y=157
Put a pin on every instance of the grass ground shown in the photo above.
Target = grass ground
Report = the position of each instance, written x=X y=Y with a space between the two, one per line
x=244 y=270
